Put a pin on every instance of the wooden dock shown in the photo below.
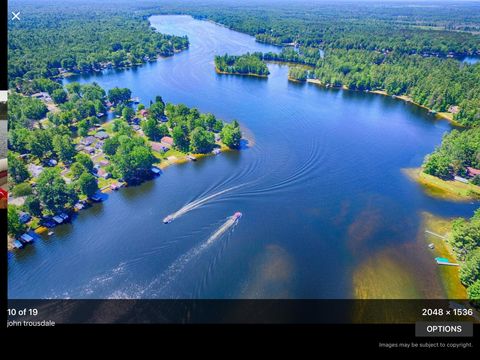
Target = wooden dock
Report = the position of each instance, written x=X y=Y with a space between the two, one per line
x=435 y=234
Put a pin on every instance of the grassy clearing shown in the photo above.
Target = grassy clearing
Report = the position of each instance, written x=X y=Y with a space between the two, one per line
x=448 y=190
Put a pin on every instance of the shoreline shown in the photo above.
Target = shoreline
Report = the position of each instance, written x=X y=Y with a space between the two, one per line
x=439 y=115
x=441 y=189
x=162 y=164
x=449 y=275
x=241 y=74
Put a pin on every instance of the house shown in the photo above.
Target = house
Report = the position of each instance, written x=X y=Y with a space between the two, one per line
x=87 y=141
x=99 y=145
x=24 y=217
x=42 y=96
x=136 y=127
x=35 y=170
x=156 y=146
x=453 y=109
x=102 y=135
x=103 y=162
x=144 y=112
x=89 y=150
x=52 y=162
x=472 y=172
x=79 y=147
x=167 y=140
x=103 y=173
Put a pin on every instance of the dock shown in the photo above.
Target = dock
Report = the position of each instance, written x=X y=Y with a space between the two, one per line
x=445 y=261
x=435 y=234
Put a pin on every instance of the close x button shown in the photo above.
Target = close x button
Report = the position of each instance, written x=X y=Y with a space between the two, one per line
x=444 y=329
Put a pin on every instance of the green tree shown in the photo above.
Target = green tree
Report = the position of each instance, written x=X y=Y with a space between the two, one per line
x=33 y=206
x=22 y=189
x=119 y=95
x=437 y=165
x=77 y=169
x=470 y=269
x=150 y=129
x=59 y=96
x=201 y=141
x=133 y=159
x=85 y=160
x=54 y=194
x=83 y=127
x=473 y=291
x=63 y=147
x=128 y=113
x=15 y=227
x=231 y=135
x=40 y=143
x=157 y=110
x=180 y=137
x=87 y=184
x=111 y=145
x=18 y=139
x=17 y=170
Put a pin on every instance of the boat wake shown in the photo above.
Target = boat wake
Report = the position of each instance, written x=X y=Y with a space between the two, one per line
x=196 y=204
x=170 y=274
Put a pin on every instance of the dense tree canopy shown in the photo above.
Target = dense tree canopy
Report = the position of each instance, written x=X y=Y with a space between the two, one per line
x=55 y=39
x=248 y=64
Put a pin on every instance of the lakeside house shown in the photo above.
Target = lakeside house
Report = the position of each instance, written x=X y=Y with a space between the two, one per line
x=167 y=141
x=472 y=172
x=453 y=109
x=102 y=135
x=87 y=141
x=156 y=146
x=88 y=150
x=42 y=96
x=103 y=173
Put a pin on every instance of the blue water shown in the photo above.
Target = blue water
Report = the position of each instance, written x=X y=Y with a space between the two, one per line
x=321 y=191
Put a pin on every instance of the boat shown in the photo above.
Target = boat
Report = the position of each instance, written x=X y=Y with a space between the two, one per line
x=191 y=157
x=168 y=219
x=50 y=233
x=237 y=215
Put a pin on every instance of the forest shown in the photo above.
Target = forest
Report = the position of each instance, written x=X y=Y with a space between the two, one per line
x=247 y=64
x=56 y=41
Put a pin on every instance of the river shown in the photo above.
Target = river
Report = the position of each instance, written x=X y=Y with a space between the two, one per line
x=320 y=188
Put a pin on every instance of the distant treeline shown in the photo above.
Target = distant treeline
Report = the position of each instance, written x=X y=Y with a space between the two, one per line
x=51 y=40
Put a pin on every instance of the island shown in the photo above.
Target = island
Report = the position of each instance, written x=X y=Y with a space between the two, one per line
x=247 y=64
x=62 y=159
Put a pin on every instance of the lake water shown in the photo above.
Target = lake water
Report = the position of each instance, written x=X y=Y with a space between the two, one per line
x=320 y=188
